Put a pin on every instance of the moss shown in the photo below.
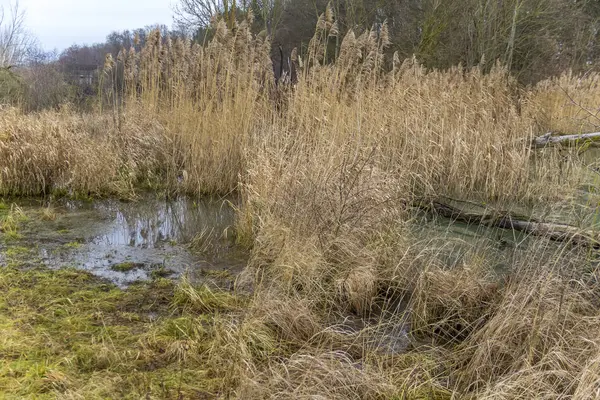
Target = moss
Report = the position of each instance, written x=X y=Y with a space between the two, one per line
x=125 y=267
x=73 y=245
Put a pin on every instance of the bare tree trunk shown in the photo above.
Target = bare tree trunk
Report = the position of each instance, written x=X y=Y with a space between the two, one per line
x=510 y=48
x=232 y=16
x=548 y=139
x=15 y=41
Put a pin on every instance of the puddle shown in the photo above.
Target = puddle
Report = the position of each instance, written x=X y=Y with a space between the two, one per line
x=126 y=242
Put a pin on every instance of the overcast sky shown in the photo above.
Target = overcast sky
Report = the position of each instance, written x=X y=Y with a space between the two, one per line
x=61 y=23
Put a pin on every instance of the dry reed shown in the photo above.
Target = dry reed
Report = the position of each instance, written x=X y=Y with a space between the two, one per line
x=326 y=178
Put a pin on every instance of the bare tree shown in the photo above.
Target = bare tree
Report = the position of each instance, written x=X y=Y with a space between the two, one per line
x=15 y=40
x=193 y=14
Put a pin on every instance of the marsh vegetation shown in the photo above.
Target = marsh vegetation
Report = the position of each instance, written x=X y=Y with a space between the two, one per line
x=353 y=287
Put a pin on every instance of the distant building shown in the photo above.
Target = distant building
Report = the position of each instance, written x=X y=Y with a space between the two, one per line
x=83 y=75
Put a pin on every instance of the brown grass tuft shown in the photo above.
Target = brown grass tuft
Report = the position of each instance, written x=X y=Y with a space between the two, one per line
x=538 y=341
x=451 y=304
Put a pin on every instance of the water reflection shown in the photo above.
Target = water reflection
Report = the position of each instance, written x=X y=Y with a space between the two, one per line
x=152 y=234
x=152 y=223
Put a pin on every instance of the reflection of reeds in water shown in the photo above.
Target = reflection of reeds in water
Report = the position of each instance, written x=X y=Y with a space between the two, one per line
x=213 y=242
x=151 y=221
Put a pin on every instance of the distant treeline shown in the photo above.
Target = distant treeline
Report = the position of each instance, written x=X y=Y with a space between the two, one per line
x=535 y=39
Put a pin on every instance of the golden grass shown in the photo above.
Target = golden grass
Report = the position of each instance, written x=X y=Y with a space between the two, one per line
x=538 y=342
x=327 y=172
x=566 y=104
x=62 y=152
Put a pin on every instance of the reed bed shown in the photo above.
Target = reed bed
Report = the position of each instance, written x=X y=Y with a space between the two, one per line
x=566 y=104
x=327 y=169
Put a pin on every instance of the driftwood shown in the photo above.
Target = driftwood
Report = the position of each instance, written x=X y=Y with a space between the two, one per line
x=549 y=139
x=551 y=230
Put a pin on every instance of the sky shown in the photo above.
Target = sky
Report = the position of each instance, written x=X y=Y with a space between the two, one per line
x=58 y=24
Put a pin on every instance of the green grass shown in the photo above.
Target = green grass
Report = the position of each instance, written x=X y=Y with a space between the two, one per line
x=11 y=219
x=67 y=333
x=16 y=252
x=203 y=299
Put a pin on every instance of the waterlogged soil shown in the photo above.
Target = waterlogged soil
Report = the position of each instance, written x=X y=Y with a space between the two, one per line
x=457 y=244
x=125 y=242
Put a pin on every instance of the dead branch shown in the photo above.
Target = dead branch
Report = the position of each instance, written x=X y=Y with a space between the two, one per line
x=551 y=230
x=550 y=139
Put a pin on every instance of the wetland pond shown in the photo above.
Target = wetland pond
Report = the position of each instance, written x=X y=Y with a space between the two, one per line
x=128 y=242
x=125 y=242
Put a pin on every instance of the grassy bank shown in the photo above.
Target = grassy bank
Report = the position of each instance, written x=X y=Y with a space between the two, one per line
x=68 y=334
x=326 y=171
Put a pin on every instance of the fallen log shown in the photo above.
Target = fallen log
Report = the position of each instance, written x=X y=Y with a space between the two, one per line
x=549 y=139
x=551 y=230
